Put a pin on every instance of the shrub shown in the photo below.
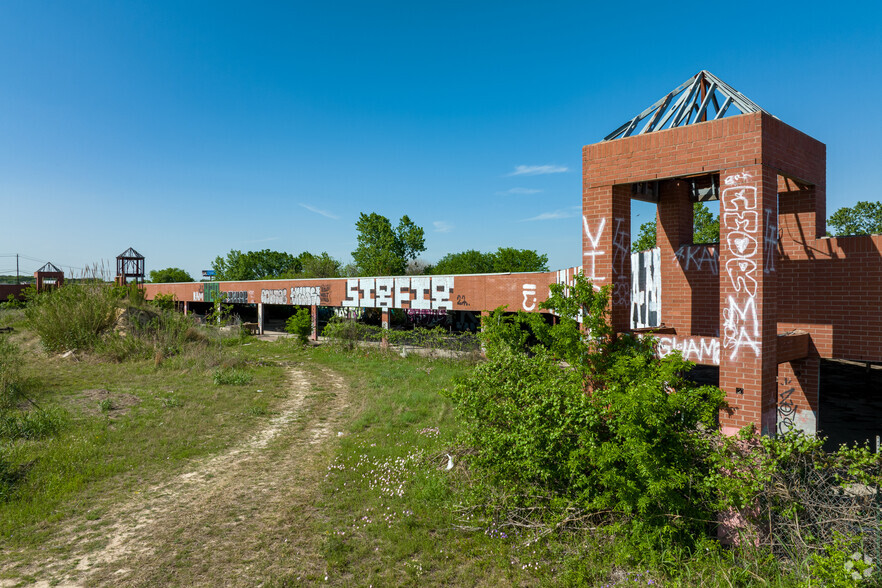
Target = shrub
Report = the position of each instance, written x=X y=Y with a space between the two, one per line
x=300 y=324
x=619 y=431
x=164 y=301
x=73 y=316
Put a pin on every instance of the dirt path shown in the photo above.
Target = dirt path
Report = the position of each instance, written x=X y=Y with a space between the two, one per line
x=239 y=518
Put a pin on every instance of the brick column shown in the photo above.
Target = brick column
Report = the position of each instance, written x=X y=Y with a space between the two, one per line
x=674 y=230
x=260 y=318
x=797 y=407
x=385 y=324
x=606 y=246
x=313 y=312
x=748 y=343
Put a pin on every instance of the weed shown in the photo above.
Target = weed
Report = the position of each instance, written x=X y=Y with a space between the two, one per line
x=11 y=379
x=33 y=424
x=232 y=377
x=257 y=410
x=170 y=401
x=73 y=316
x=106 y=405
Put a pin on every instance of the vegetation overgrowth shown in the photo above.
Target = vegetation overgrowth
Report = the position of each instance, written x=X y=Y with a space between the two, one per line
x=568 y=457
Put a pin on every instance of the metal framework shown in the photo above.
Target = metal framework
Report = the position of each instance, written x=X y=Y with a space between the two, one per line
x=702 y=97
x=130 y=264
x=49 y=268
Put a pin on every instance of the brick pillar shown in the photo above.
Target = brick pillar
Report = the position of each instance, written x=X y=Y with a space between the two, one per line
x=606 y=246
x=260 y=318
x=385 y=324
x=674 y=230
x=797 y=407
x=748 y=334
x=186 y=308
x=313 y=312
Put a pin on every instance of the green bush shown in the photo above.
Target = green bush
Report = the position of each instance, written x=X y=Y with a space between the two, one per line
x=73 y=316
x=300 y=324
x=346 y=334
x=618 y=431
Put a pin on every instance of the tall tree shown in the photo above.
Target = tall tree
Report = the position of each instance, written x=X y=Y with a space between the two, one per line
x=504 y=259
x=168 y=275
x=318 y=266
x=255 y=265
x=705 y=229
x=383 y=250
x=864 y=218
x=466 y=262
x=509 y=259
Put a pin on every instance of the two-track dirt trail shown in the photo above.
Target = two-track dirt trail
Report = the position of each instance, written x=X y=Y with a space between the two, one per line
x=238 y=518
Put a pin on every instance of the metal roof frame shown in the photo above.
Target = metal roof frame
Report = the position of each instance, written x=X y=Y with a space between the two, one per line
x=687 y=104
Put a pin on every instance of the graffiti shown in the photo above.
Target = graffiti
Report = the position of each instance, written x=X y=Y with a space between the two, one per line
x=621 y=254
x=786 y=408
x=699 y=257
x=704 y=350
x=384 y=292
x=349 y=313
x=740 y=217
x=325 y=295
x=441 y=290
x=595 y=241
x=279 y=296
x=646 y=289
x=529 y=296
x=237 y=297
x=198 y=296
x=211 y=291
x=418 y=293
x=461 y=300
x=734 y=179
x=305 y=295
x=770 y=241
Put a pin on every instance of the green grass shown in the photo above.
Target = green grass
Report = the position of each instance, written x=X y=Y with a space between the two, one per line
x=154 y=420
x=388 y=513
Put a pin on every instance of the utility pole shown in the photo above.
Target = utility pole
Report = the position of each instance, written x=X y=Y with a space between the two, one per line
x=17 y=281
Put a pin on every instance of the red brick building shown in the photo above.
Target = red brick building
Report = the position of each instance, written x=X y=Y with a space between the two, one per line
x=765 y=304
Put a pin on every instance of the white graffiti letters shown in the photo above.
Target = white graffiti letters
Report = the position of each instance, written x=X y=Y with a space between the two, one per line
x=697 y=349
x=740 y=218
x=646 y=289
x=418 y=293
x=594 y=239
x=529 y=296
x=734 y=179
x=305 y=295
x=279 y=296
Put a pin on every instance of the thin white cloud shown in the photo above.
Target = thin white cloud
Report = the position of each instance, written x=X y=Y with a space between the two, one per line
x=553 y=215
x=319 y=211
x=520 y=191
x=264 y=240
x=538 y=170
x=442 y=227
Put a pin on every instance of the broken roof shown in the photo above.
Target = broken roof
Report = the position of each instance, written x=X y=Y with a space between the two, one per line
x=702 y=97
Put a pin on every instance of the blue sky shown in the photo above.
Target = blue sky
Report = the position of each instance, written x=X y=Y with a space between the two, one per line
x=187 y=129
